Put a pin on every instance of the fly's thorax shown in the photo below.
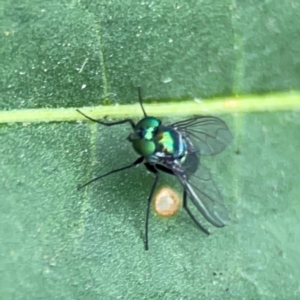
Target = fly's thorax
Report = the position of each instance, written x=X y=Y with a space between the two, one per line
x=142 y=138
x=170 y=142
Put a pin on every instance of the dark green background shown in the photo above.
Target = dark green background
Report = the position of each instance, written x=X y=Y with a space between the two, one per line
x=57 y=243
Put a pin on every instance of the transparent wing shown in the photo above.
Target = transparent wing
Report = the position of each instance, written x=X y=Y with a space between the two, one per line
x=209 y=135
x=202 y=190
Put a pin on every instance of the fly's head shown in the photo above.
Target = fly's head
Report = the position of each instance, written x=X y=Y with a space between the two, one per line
x=142 y=138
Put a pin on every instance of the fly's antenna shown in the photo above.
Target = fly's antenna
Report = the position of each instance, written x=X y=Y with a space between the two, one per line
x=141 y=101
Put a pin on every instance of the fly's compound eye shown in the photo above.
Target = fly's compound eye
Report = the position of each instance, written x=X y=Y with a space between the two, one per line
x=144 y=147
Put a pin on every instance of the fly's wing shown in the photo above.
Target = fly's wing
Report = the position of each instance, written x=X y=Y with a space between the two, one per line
x=202 y=190
x=206 y=197
x=209 y=135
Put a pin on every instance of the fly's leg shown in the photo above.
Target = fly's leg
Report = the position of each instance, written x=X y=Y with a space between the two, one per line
x=153 y=170
x=191 y=215
x=108 y=123
x=135 y=163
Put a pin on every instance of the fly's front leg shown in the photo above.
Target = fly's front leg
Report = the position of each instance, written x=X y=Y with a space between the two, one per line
x=135 y=163
x=130 y=121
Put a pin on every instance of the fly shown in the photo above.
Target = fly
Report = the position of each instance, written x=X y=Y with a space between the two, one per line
x=176 y=149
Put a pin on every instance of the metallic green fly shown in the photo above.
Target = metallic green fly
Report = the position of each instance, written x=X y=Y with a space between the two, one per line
x=176 y=149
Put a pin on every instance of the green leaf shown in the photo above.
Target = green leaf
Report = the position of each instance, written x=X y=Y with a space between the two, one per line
x=60 y=243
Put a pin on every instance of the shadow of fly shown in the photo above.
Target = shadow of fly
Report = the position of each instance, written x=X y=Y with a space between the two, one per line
x=176 y=149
